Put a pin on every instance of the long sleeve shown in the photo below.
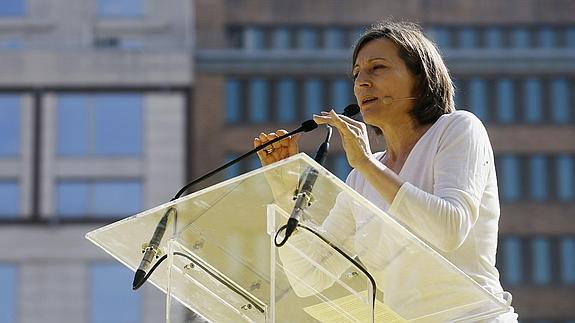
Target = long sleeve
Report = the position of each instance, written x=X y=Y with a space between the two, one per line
x=461 y=167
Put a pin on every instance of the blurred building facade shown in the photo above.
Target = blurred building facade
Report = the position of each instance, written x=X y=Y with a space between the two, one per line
x=107 y=106
x=94 y=97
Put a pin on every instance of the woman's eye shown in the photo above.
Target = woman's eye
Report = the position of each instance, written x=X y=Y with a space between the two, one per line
x=378 y=67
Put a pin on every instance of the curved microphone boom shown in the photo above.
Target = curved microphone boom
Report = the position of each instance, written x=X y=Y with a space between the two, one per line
x=389 y=100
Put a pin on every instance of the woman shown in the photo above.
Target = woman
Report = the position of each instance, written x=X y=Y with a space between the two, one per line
x=437 y=175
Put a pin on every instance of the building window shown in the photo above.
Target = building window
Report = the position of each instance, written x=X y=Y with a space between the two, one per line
x=341 y=94
x=565 y=175
x=538 y=175
x=9 y=199
x=570 y=37
x=101 y=124
x=233 y=101
x=120 y=8
x=468 y=38
x=532 y=98
x=508 y=172
x=520 y=38
x=541 y=261
x=478 y=98
x=547 y=38
x=8 y=293
x=567 y=264
x=111 y=300
x=258 y=99
x=254 y=38
x=313 y=96
x=10 y=122
x=512 y=273
x=12 y=8
x=334 y=38
x=441 y=36
x=281 y=38
x=286 y=100
x=308 y=38
x=505 y=101
x=98 y=198
x=494 y=38
x=560 y=101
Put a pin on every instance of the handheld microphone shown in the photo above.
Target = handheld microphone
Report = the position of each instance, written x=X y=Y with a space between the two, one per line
x=389 y=100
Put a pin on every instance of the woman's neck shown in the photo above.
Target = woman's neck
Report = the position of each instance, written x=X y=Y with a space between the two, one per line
x=400 y=138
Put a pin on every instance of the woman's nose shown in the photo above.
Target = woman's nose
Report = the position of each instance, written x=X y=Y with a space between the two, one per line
x=362 y=80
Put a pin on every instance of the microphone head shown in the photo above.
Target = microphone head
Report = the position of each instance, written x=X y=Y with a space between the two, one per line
x=387 y=100
x=308 y=125
x=351 y=110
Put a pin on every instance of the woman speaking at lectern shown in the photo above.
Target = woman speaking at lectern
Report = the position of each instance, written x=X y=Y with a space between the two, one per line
x=437 y=174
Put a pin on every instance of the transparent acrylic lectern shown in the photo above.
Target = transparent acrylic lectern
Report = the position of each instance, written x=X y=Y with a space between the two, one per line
x=222 y=262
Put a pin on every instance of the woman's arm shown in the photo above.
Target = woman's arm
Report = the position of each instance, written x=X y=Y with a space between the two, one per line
x=445 y=216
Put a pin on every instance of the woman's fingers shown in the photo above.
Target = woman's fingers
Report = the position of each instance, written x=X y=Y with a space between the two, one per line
x=278 y=150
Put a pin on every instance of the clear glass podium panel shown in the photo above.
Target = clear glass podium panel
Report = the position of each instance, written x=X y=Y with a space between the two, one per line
x=222 y=263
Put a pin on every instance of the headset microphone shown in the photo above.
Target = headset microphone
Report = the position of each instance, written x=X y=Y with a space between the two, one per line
x=389 y=100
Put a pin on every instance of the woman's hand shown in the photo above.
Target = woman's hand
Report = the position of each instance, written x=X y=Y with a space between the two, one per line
x=353 y=137
x=280 y=150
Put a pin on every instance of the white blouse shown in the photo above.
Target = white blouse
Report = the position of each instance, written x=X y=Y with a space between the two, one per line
x=449 y=199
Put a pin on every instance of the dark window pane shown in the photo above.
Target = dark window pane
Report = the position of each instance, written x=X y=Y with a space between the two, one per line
x=286 y=96
x=494 y=38
x=73 y=117
x=468 y=38
x=565 y=178
x=233 y=101
x=72 y=198
x=254 y=38
x=340 y=94
x=567 y=256
x=13 y=8
x=547 y=38
x=538 y=175
x=111 y=300
x=8 y=293
x=570 y=37
x=560 y=101
x=532 y=97
x=111 y=198
x=308 y=38
x=313 y=95
x=9 y=125
x=281 y=38
x=121 y=8
x=505 y=101
x=101 y=124
x=334 y=38
x=9 y=199
x=520 y=38
x=258 y=108
x=512 y=261
x=77 y=198
x=118 y=124
x=541 y=261
x=509 y=178
x=478 y=98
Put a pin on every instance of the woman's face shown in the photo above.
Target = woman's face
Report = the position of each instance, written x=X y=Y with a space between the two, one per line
x=379 y=72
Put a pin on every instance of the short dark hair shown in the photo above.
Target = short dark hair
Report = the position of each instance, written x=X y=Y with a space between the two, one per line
x=433 y=88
